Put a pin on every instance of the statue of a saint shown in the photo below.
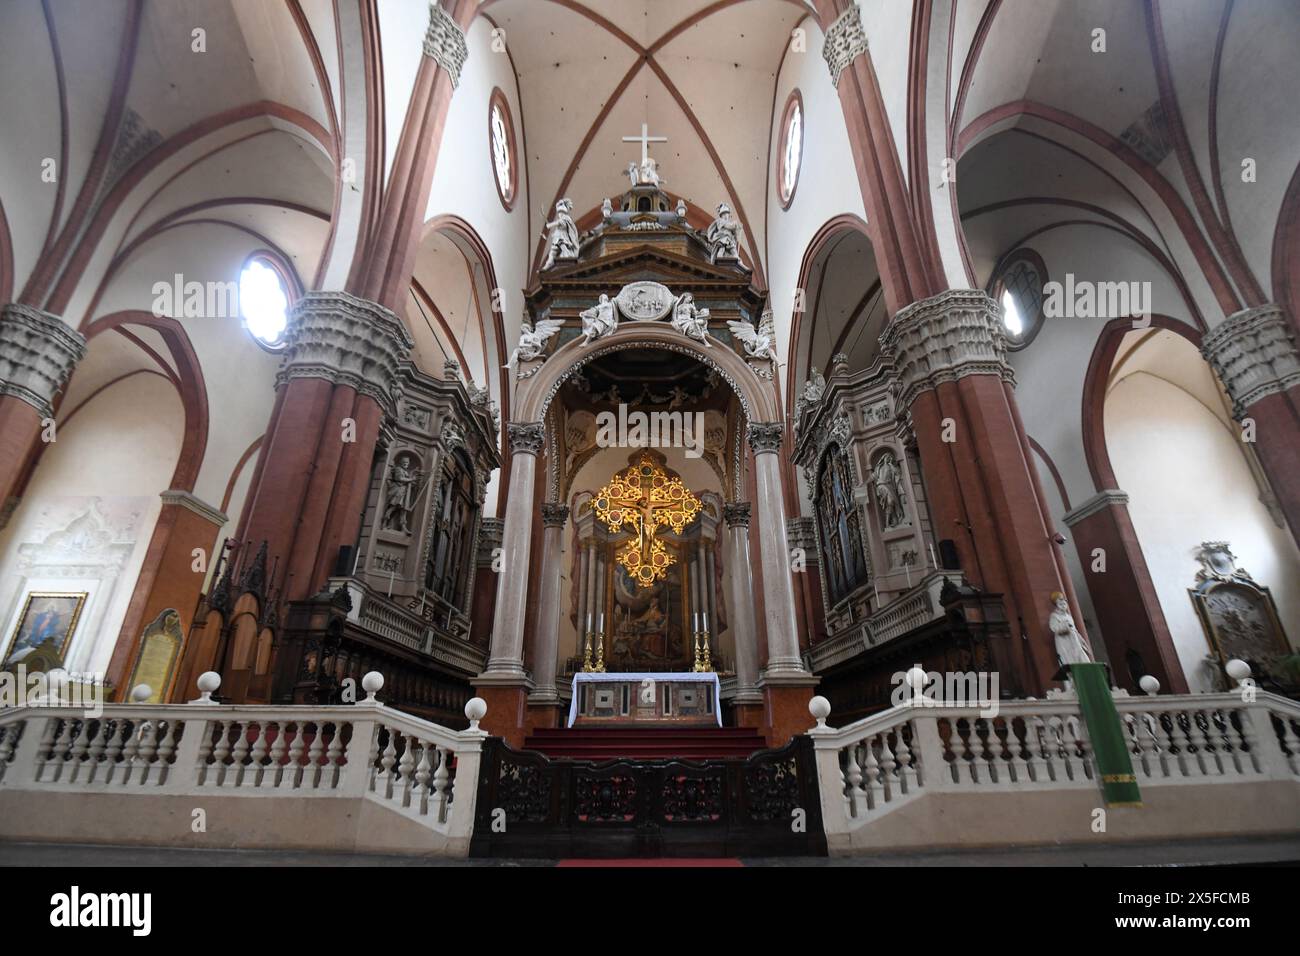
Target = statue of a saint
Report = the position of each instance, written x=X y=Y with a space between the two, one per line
x=599 y=320
x=723 y=235
x=1070 y=645
x=561 y=235
x=399 y=497
x=814 y=388
x=606 y=208
x=650 y=173
x=690 y=320
x=888 y=480
x=633 y=173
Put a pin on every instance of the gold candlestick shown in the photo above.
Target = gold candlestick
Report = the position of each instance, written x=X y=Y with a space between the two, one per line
x=587 y=666
x=600 y=653
x=703 y=656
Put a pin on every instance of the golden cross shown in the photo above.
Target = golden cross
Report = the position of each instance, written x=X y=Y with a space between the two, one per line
x=643 y=497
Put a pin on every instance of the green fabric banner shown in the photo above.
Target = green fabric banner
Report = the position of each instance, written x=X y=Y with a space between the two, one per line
x=1106 y=735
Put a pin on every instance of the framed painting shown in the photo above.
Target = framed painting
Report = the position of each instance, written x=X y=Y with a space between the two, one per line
x=46 y=615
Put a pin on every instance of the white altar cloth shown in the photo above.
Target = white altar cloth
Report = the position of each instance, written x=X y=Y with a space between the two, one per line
x=637 y=677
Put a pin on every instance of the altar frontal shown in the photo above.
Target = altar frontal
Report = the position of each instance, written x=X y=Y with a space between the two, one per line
x=646 y=700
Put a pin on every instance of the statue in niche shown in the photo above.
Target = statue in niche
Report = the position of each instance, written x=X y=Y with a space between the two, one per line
x=599 y=320
x=533 y=339
x=1070 y=645
x=723 y=235
x=758 y=342
x=888 y=480
x=399 y=496
x=814 y=388
x=690 y=320
x=561 y=235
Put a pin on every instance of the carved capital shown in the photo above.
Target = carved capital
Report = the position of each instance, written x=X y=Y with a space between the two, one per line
x=444 y=42
x=1108 y=498
x=944 y=338
x=1253 y=353
x=349 y=341
x=490 y=531
x=845 y=40
x=525 y=437
x=765 y=436
x=37 y=354
x=554 y=515
x=736 y=514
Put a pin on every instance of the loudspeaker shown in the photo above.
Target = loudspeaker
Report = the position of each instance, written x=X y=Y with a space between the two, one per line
x=948 y=555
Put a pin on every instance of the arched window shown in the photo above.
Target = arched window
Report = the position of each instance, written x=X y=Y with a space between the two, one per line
x=501 y=139
x=790 y=156
x=839 y=527
x=264 y=302
x=451 y=555
x=1018 y=288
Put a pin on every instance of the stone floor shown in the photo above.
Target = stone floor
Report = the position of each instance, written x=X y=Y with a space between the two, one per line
x=1211 y=852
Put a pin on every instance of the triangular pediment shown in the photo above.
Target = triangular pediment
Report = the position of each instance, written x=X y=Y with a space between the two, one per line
x=645 y=262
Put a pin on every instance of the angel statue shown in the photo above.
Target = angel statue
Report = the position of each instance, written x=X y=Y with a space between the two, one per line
x=1071 y=648
x=690 y=320
x=723 y=235
x=633 y=173
x=533 y=339
x=561 y=235
x=650 y=173
x=598 y=321
x=758 y=342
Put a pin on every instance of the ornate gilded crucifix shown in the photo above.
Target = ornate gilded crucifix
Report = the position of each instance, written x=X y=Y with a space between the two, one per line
x=644 y=498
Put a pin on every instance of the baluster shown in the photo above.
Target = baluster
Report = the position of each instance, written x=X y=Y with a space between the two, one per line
x=420 y=795
x=59 y=749
x=1221 y=743
x=1064 y=767
x=1011 y=752
x=404 y=770
x=853 y=781
x=113 y=752
x=256 y=766
x=1196 y=737
x=384 y=781
x=80 y=745
x=906 y=772
x=312 y=774
x=166 y=750
x=130 y=750
x=442 y=783
x=1167 y=745
x=889 y=785
x=95 y=758
x=276 y=768
x=147 y=750
x=1183 y=736
x=1077 y=746
x=1036 y=733
x=1288 y=739
x=1143 y=743
x=334 y=758
x=238 y=756
x=872 y=773
x=1250 y=741
x=221 y=751
x=960 y=748
x=45 y=751
x=292 y=769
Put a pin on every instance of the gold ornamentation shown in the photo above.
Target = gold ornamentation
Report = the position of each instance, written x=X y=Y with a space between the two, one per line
x=703 y=655
x=644 y=498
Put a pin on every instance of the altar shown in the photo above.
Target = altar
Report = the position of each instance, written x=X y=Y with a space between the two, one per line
x=673 y=698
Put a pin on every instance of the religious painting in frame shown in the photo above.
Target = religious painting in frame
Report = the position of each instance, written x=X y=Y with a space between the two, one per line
x=46 y=615
x=1238 y=614
x=155 y=663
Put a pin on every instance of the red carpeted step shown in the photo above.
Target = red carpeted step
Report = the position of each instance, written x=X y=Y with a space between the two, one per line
x=652 y=743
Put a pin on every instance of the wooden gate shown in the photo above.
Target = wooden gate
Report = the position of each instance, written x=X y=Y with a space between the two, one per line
x=530 y=806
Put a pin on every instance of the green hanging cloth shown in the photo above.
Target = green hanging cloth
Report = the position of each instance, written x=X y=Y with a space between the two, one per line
x=1106 y=735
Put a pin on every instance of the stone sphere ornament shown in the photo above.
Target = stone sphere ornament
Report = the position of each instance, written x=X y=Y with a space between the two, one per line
x=141 y=693
x=372 y=683
x=1149 y=685
x=820 y=708
x=475 y=708
x=916 y=678
x=208 y=683
x=1237 y=669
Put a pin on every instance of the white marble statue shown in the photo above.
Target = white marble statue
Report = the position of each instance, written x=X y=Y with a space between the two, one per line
x=606 y=208
x=690 y=320
x=650 y=173
x=758 y=342
x=1070 y=645
x=814 y=388
x=598 y=321
x=681 y=209
x=561 y=235
x=399 y=496
x=723 y=235
x=633 y=173
x=533 y=339
x=887 y=478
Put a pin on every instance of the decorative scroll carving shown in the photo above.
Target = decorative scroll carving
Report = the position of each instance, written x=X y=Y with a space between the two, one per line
x=444 y=42
x=845 y=40
x=37 y=354
x=525 y=437
x=944 y=338
x=1254 y=355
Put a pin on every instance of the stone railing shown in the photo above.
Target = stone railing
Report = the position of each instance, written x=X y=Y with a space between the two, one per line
x=365 y=752
x=880 y=764
x=904 y=614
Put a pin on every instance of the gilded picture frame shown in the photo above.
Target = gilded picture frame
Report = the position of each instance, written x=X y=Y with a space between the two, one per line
x=46 y=615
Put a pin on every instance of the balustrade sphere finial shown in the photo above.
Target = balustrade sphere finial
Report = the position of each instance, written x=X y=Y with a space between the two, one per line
x=475 y=708
x=372 y=683
x=141 y=692
x=208 y=683
x=1149 y=685
x=820 y=708
x=916 y=678
x=1237 y=669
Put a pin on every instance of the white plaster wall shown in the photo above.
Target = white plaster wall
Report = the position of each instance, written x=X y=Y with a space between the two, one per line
x=828 y=180
x=1188 y=483
x=889 y=29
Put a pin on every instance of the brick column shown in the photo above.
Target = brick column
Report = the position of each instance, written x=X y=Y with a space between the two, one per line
x=1254 y=355
x=338 y=380
x=949 y=355
x=37 y=354
x=1123 y=595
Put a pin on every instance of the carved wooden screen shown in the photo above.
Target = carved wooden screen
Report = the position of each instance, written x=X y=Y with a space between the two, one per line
x=451 y=555
x=839 y=527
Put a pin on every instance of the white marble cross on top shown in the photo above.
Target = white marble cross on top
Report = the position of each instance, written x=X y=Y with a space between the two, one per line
x=645 y=139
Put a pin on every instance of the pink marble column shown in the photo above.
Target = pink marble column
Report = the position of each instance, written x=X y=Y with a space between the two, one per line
x=548 y=609
x=743 y=628
x=774 y=551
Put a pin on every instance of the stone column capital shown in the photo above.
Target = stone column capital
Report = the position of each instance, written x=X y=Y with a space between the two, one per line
x=349 y=341
x=1253 y=352
x=765 y=437
x=444 y=42
x=525 y=438
x=736 y=514
x=554 y=515
x=38 y=351
x=845 y=42
x=943 y=338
